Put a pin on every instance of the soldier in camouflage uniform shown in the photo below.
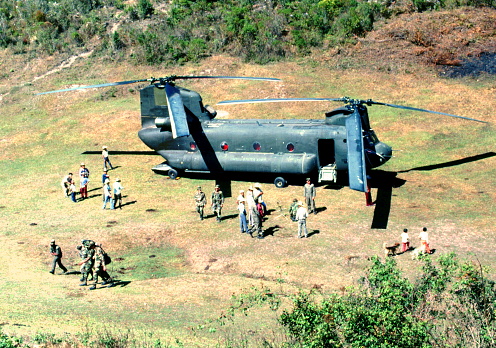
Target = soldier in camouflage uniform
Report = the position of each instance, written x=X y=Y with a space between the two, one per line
x=200 y=201
x=217 y=202
x=100 y=268
x=83 y=253
x=88 y=251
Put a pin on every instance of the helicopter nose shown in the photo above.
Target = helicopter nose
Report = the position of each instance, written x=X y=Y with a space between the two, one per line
x=384 y=152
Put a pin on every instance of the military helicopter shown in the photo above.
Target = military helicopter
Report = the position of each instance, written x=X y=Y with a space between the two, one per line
x=178 y=126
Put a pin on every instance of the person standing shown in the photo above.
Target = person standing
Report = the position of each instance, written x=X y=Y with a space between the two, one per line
x=57 y=257
x=243 y=225
x=101 y=268
x=217 y=202
x=301 y=217
x=292 y=209
x=83 y=171
x=200 y=201
x=117 y=194
x=405 y=241
x=258 y=196
x=107 y=195
x=424 y=240
x=309 y=193
x=83 y=187
x=66 y=184
x=106 y=160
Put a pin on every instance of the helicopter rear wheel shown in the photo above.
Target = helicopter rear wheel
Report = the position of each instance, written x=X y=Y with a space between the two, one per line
x=280 y=182
x=172 y=174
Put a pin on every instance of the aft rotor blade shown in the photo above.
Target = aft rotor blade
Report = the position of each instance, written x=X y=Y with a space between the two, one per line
x=278 y=100
x=95 y=86
x=357 y=170
x=369 y=102
x=177 y=114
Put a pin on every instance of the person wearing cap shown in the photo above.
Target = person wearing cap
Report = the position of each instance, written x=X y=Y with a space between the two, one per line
x=117 y=194
x=258 y=196
x=88 y=260
x=83 y=186
x=100 y=268
x=301 y=217
x=200 y=201
x=240 y=201
x=309 y=193
x=107 y=195
x=57 y=257
x=217 y=202
x=292 y=210
x=106 y=160
x=83 y=171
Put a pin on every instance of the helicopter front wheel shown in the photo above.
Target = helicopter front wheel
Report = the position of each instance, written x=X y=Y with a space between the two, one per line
x=280 y=182
x=172 y=173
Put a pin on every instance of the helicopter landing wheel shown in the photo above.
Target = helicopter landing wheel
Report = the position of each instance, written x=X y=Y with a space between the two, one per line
x=172 y=174
x=280 y=182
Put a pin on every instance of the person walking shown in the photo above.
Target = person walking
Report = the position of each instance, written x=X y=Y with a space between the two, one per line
x=200 y=201
x=106 y=159
x=424 y=240
x=258 y=196
x=217 y=202
x=56 y=252
x=301 y=217
x=117 y=200
x=309 y=193
x=240 y=201
x=405 y=241
x=107 y=195
x=101 y=268
x=88 y=260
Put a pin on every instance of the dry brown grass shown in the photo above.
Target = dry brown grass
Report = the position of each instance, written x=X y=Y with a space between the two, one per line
x=455 y=202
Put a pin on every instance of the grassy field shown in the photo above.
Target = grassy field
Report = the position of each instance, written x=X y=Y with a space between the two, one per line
x=177 y=272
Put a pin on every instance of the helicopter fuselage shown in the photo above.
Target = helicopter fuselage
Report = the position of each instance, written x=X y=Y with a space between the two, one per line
x=281 y=147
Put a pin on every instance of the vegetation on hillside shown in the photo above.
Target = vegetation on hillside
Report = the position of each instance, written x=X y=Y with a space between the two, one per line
x=159 y=32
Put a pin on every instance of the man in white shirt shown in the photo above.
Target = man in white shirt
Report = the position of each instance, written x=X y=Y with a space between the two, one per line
x=301 y=217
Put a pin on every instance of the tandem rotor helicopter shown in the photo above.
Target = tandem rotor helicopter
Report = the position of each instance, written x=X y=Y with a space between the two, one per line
x=178 y=126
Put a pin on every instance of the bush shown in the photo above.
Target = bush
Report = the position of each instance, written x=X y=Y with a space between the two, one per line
x=451 y=303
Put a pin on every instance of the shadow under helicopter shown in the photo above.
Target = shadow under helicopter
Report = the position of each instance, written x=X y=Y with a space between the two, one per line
x=385 y=181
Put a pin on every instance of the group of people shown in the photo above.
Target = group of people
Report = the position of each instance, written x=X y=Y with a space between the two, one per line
x=94 y=261
x=252 y=208
x=69 y=184
x=112 y=195
x=423 y=237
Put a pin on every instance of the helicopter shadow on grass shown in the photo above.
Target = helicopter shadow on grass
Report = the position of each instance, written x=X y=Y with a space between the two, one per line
x=385 y=181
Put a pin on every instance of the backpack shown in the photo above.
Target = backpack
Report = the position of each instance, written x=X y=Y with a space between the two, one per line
x=106 y=258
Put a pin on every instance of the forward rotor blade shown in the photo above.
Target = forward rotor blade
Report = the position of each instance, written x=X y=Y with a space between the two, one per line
x=227 y=77
x=357 y=170
x=278 y=100
x=95 y=86
x=177 y=114
x=369 y=102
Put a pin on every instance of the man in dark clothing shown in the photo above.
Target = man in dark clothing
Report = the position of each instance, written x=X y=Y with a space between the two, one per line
x=57 y=257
